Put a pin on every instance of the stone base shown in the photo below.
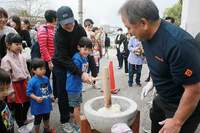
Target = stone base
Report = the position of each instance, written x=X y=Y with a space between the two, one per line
x=85 y=126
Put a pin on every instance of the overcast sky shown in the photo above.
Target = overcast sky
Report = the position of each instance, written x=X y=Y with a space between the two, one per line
x=101 y=11
x=104 y=11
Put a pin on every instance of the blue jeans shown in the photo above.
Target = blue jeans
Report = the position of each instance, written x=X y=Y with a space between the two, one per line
x=134 y=69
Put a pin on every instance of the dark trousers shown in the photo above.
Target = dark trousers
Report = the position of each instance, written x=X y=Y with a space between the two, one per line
x=20 y=113
x=48 y=74
x=119 y=58
x=59 y=83
x=92 y=66
x=134 y=69
x=162 y=110
x=40 y=117
x=48 y=71
x=126 y=64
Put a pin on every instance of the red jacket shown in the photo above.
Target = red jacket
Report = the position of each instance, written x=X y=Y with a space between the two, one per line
x=45 y=36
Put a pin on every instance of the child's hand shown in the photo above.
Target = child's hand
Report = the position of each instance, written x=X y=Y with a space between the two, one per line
x=86 y=78
x=39 y=99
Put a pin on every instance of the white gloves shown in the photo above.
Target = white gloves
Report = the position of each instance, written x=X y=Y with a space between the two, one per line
x=146 y=89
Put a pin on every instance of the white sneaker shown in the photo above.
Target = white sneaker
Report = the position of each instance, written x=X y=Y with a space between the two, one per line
x=30 y=118
x=76 y=128
x=25 y=129
x=83 y=89
x=67 y=127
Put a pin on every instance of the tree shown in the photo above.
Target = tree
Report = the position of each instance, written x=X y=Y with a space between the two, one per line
x=24 y=13
x=28 y=8
x=175 y=12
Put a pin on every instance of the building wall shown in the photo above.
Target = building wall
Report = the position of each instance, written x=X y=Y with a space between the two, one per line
x=190 y=20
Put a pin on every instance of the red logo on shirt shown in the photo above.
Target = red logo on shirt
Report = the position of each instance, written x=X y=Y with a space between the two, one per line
x=188 y=73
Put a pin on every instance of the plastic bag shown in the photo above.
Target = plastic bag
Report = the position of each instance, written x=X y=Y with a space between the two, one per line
x=121 y=128
x=26 y=52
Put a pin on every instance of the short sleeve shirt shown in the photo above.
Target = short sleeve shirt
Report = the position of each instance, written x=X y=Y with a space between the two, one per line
x=173 y=58
x=40 y=86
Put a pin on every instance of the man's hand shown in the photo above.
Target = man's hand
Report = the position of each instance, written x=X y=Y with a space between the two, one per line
x=145 y=90
x=86 y=78
x=170 y=126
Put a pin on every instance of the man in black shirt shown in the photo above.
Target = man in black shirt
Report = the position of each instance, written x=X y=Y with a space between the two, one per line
x=119 y=41
x=173 y=58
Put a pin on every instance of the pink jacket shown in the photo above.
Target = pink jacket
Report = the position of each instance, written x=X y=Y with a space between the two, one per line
x=15 y=65
x=45 y=36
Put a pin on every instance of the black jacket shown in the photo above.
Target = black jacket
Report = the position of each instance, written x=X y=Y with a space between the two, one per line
x=2 y=46
x=107 y=42
x=66 y=46
x=25 y=37
x=126 y=51
x=121 y=39
x=92 y=66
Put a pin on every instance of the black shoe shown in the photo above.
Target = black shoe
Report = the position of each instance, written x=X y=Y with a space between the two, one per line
x=138 y=84
x=130 y=85
x=119 y=68
x=147 y=80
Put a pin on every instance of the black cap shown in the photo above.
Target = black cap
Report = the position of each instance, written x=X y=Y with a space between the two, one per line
x=65 y=15
x=13 y=38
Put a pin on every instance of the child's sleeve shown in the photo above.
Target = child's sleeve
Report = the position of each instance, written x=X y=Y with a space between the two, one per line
x=77 y=63
x=29 y=89
x=26 y=68
x=5 y=64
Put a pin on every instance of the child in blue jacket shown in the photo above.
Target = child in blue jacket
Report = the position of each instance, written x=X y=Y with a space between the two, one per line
x=74 y=82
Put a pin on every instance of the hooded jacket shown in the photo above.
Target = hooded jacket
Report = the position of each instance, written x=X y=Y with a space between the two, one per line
x=66 y=46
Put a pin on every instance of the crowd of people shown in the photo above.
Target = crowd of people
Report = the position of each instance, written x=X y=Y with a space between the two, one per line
x=70 y=53
x=60 y=49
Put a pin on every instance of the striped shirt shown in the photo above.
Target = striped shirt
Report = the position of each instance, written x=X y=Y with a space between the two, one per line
x=46 y=41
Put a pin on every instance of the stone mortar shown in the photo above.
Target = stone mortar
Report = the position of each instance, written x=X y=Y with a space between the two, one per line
x=103 y=123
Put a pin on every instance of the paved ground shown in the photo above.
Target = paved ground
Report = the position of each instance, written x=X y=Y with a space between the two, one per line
x=121 y=82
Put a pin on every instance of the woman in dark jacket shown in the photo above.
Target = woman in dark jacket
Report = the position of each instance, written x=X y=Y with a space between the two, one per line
x=67 y=36
x=2 y=47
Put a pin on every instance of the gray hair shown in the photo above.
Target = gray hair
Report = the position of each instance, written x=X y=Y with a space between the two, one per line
x=135 y=10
